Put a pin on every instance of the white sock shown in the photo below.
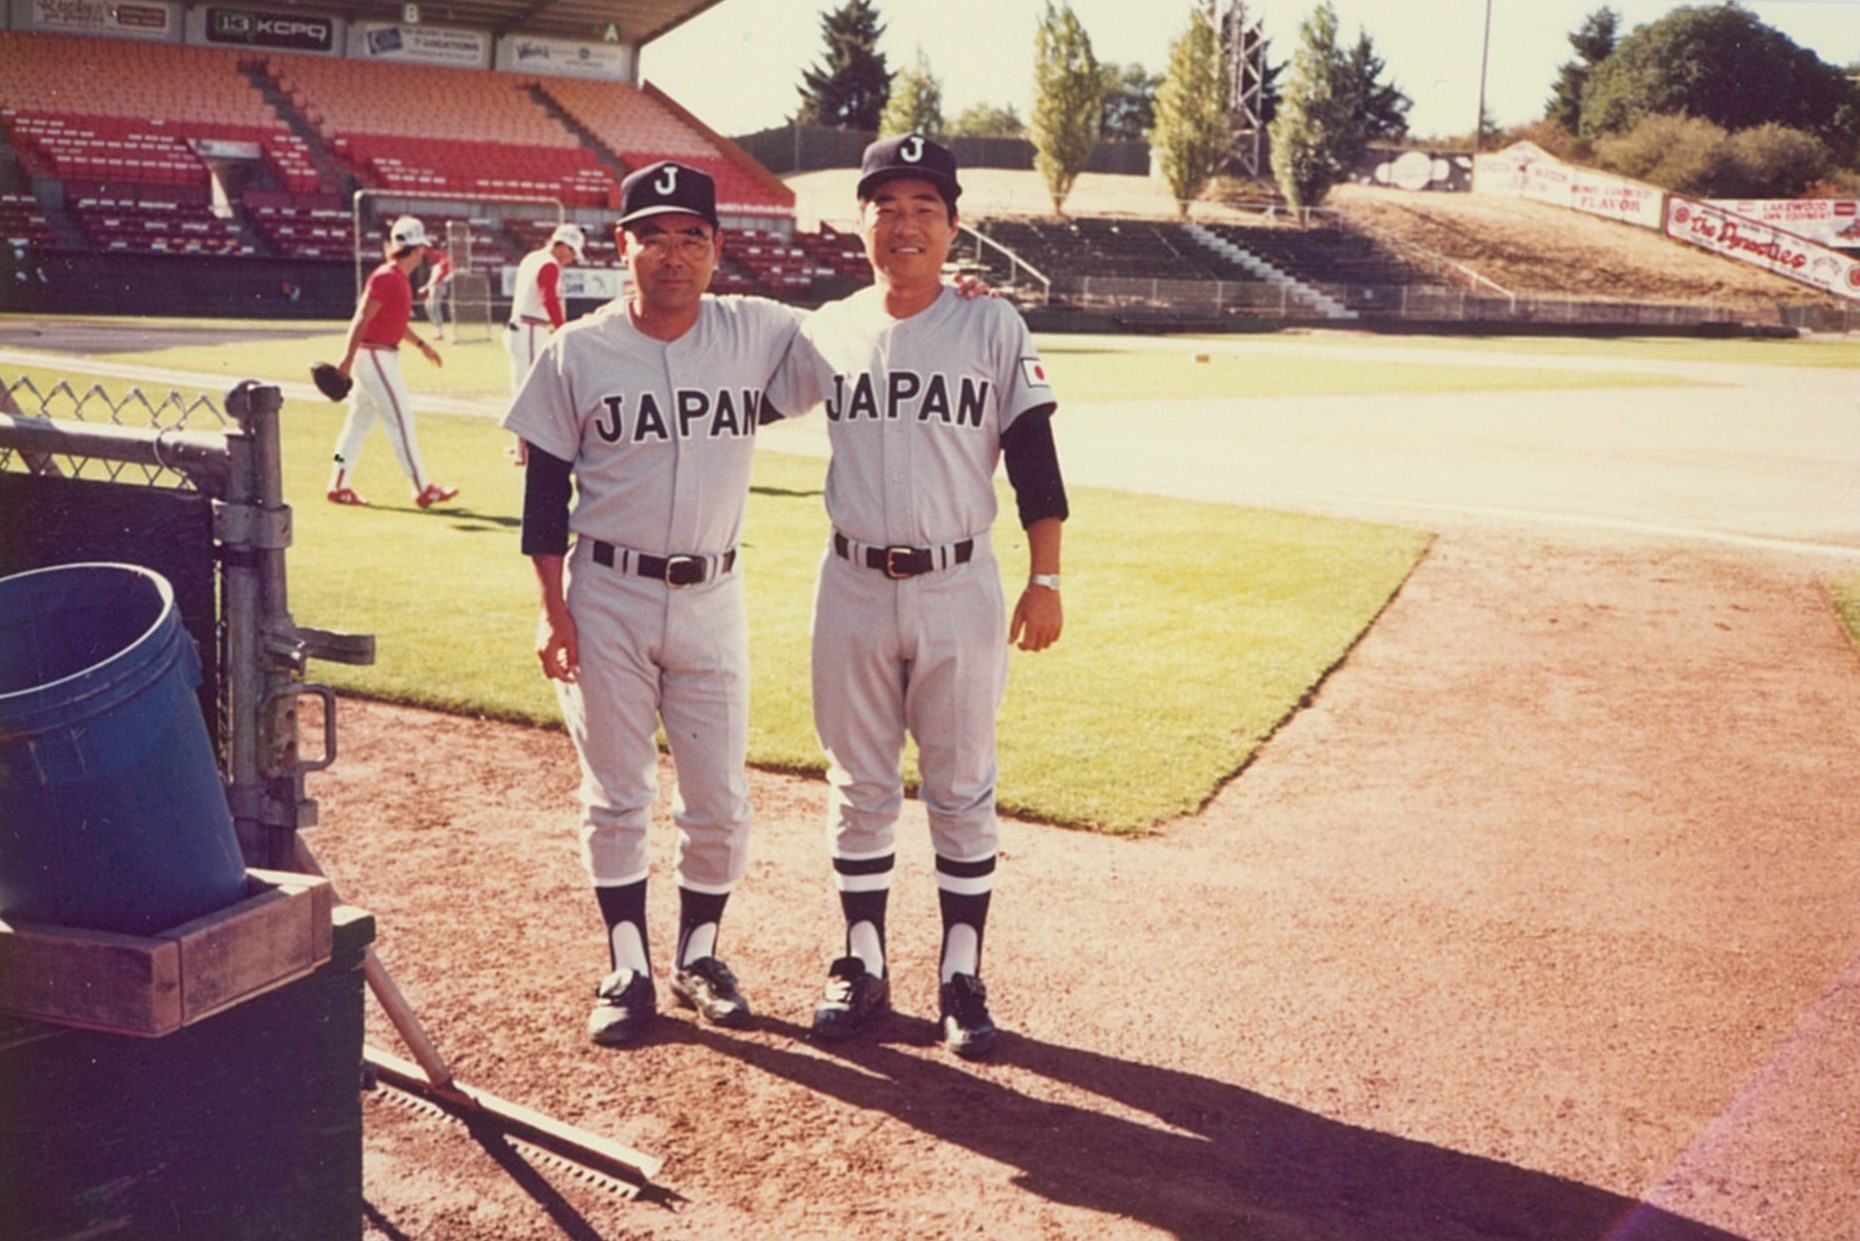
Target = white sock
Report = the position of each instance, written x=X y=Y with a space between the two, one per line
x=629 y=951
x=862 y=938
x=961 y=949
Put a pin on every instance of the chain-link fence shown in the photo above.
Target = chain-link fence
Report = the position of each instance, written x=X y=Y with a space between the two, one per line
x=193 y=491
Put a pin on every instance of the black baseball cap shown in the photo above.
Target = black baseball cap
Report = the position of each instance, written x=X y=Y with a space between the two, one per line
x=909 y=155
x=667 y=187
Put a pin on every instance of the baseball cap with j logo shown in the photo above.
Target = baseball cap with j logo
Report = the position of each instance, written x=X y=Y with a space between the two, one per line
x=909 y=155
x=667 y=187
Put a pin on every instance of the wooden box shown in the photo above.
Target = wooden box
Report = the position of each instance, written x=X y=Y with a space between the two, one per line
x=153 y=985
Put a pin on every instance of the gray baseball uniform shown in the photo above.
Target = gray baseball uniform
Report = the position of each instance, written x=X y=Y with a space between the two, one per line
x=916 y=411
x=660 y=436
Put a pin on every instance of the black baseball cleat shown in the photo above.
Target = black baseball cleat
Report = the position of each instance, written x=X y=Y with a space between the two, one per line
x=625 y=1003
x=708 y=986
x=854 y=999
x=968 y=1030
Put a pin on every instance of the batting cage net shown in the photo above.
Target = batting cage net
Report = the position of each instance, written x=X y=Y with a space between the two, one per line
x=193 y=491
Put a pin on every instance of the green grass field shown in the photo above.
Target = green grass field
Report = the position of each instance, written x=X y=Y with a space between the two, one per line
x=1165 y=683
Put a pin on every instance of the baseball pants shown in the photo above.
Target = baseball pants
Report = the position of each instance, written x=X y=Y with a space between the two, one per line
x=926 y=655
x=652 y=653
x=523 y=340
x=380 y=396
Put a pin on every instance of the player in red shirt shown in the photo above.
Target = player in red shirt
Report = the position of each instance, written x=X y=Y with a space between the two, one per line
x=381 y=323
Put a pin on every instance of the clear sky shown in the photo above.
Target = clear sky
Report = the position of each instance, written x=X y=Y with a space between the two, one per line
x=738 y=64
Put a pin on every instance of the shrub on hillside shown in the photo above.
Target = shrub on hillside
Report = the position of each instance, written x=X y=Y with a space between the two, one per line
x=1690 y=155
x=1775 y=161
x=1680 y=153
x=1836 y=183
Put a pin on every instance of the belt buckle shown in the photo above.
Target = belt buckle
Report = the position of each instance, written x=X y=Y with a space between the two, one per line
x=892 y=555
x=673 y=564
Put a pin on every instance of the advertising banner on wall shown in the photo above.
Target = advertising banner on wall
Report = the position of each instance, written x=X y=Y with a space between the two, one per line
x=1754 y=242
x=289 y=32
x=427 y=45
x=1414 y=170
x=1507 y=171
x=146 y=19
x=565 y=58
x=1831 y=221
x=1617 y=198
x=602 y=283
x=1527 y=170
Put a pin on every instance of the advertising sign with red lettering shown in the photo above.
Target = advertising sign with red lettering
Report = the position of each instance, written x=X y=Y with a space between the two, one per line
x=1507 y=171
x=1831 y=221
x=1617 y=198
x=1752 y=241
x=153 y=19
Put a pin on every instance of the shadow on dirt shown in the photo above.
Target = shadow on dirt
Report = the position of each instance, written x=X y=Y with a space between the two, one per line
x=1207 y=1159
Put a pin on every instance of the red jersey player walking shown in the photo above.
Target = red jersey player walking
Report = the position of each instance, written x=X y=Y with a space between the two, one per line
x=371 y=357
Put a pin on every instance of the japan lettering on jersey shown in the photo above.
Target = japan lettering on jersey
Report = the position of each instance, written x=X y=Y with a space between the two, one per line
x=915 y=409
x=660 y=433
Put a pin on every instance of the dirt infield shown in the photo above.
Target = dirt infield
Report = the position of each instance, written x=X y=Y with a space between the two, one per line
x=1540 y=921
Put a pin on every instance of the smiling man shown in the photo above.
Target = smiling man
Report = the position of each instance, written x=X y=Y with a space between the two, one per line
x=640 y=422
x=925 y=393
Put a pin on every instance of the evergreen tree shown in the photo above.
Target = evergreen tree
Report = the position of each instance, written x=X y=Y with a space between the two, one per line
x=1068 y=100
x=849 y=89
x=1594 y=42
x=1380 y=110
x=1315 y=135
x=916 y=104
x=1190 y=139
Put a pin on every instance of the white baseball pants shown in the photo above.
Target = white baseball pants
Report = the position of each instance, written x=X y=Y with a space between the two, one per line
x=927 y=655
x=380 y=395
x=652 y=653
x=523 y=340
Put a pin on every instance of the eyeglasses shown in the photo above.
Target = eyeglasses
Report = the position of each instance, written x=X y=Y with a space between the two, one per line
x=687 y=246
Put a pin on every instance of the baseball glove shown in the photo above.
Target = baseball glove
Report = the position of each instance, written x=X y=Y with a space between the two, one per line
x=331 y=382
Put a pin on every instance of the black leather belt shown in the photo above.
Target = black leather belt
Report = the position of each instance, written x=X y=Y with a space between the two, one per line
x=898 y=563
x=674 y=571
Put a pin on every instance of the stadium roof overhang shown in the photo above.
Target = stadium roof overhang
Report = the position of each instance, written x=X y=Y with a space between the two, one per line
x=639 y=21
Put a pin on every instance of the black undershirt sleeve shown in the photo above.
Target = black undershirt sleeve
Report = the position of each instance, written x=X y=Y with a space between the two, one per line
x=1033 y=467
x=547 y=492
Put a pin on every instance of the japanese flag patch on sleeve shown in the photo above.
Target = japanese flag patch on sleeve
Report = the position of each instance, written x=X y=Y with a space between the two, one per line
x=1033 y=373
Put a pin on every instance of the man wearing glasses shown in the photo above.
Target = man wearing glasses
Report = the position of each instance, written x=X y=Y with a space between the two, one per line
x=646 y=413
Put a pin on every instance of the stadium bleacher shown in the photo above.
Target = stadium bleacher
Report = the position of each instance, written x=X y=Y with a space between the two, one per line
x=136 y=133
x=1329 y=256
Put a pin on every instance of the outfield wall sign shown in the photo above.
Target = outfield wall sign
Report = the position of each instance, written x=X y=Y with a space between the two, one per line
x=1831 y=221
x=611 y=62
x=1747 y=240
x=291 y=32
x=601 y=283
x=150 y=19
x=428 y=45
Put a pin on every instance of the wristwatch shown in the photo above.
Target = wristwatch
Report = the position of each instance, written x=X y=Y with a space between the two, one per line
x=1048 y=580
